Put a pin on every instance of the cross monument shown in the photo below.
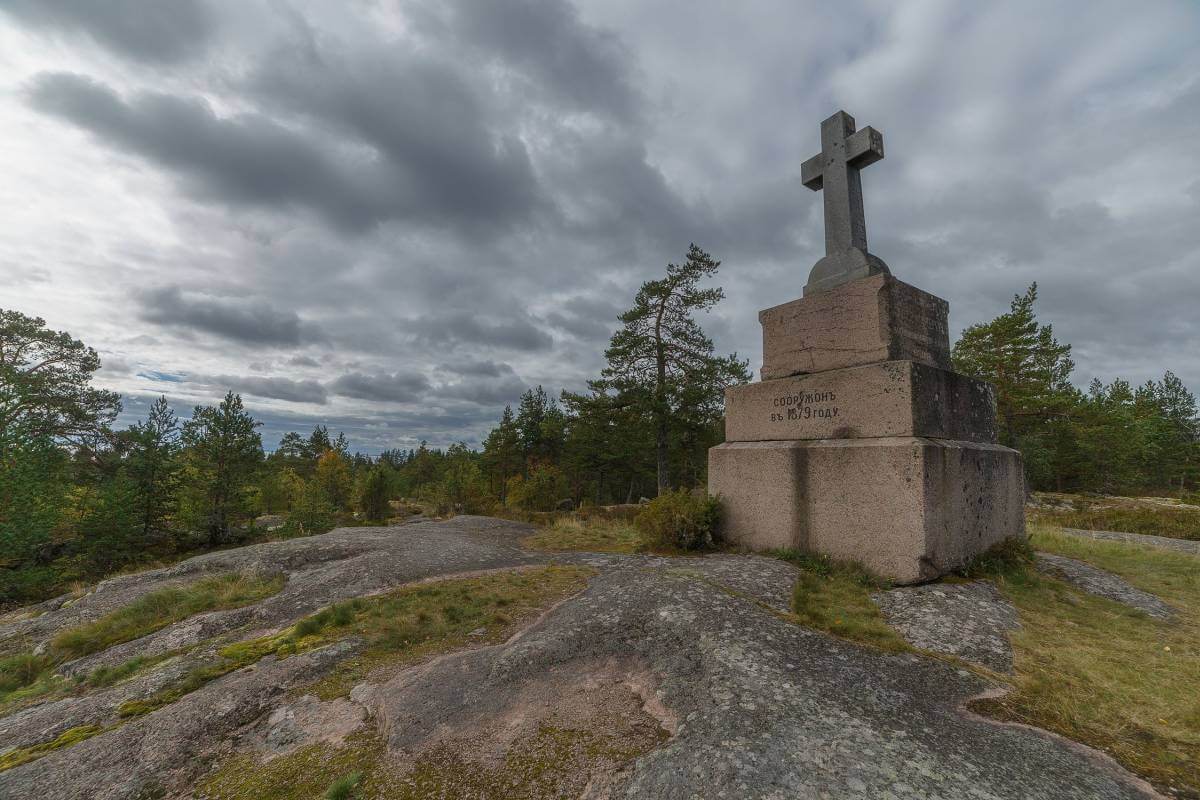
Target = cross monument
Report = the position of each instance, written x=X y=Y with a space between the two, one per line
x=844 y=151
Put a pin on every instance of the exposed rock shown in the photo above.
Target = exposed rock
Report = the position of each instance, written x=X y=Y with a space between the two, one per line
x=968 y=620
x=1102 y=584
x=694 y=648
x=269 y=522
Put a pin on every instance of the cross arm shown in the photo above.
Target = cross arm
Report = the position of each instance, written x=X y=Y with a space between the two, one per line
x=863 y=148
x=810 y=173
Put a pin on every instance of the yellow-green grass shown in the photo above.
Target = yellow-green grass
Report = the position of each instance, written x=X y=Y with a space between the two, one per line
x=398 y=628
x=835 y=597
x=595 y=534
x=1106 y=675
x=25 y=676
x=416 y=622
x=23 y=755
x=1152 y=520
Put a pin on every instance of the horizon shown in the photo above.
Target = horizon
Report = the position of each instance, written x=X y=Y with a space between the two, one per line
x=395 y=219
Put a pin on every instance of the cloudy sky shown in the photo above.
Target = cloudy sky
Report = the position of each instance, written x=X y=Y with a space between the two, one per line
x=393 y=217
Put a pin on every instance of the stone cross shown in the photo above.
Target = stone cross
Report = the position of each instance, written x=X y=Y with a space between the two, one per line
x=835 y=171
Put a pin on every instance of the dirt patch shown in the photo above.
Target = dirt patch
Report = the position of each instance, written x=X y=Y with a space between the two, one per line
x=568 y=733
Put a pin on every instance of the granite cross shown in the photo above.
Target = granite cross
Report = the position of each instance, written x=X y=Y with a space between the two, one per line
x=834 y=170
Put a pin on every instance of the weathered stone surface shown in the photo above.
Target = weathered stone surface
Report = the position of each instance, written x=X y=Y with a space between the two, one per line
x=968 y=620
x=907 y=508
x=892 y=398
x=1145 y=540
x=1102 y=583
x=757 y=707
x=872 y=319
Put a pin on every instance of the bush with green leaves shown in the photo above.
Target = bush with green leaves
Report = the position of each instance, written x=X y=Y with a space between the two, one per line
x=680 y=520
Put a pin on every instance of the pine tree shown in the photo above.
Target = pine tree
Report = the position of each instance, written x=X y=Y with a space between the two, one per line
x=152 y=467
x=502 y=455
x=661 y=360
x=223 y=451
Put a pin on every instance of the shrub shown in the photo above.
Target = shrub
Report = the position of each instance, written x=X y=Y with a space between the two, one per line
x=680 y=520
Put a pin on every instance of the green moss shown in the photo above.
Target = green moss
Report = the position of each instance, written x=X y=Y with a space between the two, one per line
x=23 y=755
x=345 y=787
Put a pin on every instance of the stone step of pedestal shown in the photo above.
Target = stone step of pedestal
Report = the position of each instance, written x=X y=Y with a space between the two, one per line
x=907 y=508
x=872 y=319
x=893 y=398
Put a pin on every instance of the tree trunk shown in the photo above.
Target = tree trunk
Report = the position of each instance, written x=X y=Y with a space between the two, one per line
x=660 y=452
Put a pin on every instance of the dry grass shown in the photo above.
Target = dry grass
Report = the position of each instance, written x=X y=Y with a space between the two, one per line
x=25 y=676
x=1155 y=521
x=1106 y=675
x=595 y=535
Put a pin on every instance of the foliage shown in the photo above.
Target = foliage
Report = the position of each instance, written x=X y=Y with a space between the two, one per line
x=332 y=476
x=374 y=494
x=223 y=452
x=539 y=491
x=661 y=362
x=1113 y=438
x=152 y=467
x=680 y=519
x=45 y=379
x=312 y=513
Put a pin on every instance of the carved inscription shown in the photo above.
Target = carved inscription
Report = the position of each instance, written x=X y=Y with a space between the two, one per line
x=804 y=405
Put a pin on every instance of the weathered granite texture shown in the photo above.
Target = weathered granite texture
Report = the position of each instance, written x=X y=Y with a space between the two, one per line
x=755 y=706
x=1102 y=583
x=865 y=321
x=908 y=508
x=968 y=620
x=891 y=398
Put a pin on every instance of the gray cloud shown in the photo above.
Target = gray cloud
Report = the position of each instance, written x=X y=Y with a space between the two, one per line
x=302 y=391
x=472 y=192
x=147 y=30
x=238 y=320
x=463 y=327
x=393 y=388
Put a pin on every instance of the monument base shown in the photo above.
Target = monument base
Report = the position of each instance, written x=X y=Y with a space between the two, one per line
x=909 y=509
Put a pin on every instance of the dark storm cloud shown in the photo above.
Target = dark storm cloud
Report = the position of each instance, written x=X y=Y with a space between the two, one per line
x=146 y=30
x=238 y=320
x=303 y=391
x=425 y=159
x=466 y=328
x=383 y=387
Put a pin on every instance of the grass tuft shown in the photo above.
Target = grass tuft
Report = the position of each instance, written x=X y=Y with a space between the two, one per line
x=595 y=535
x=345 y=787
x=835 y=597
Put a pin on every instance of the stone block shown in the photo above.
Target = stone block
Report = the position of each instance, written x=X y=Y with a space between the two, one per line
x=878 y=318
x=907 y=508
x=892 y=398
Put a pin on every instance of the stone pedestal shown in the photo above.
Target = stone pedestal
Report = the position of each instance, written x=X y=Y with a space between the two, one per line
x=861 y=443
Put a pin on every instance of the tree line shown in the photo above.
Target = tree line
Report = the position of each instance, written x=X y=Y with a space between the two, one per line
x=79 y=499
